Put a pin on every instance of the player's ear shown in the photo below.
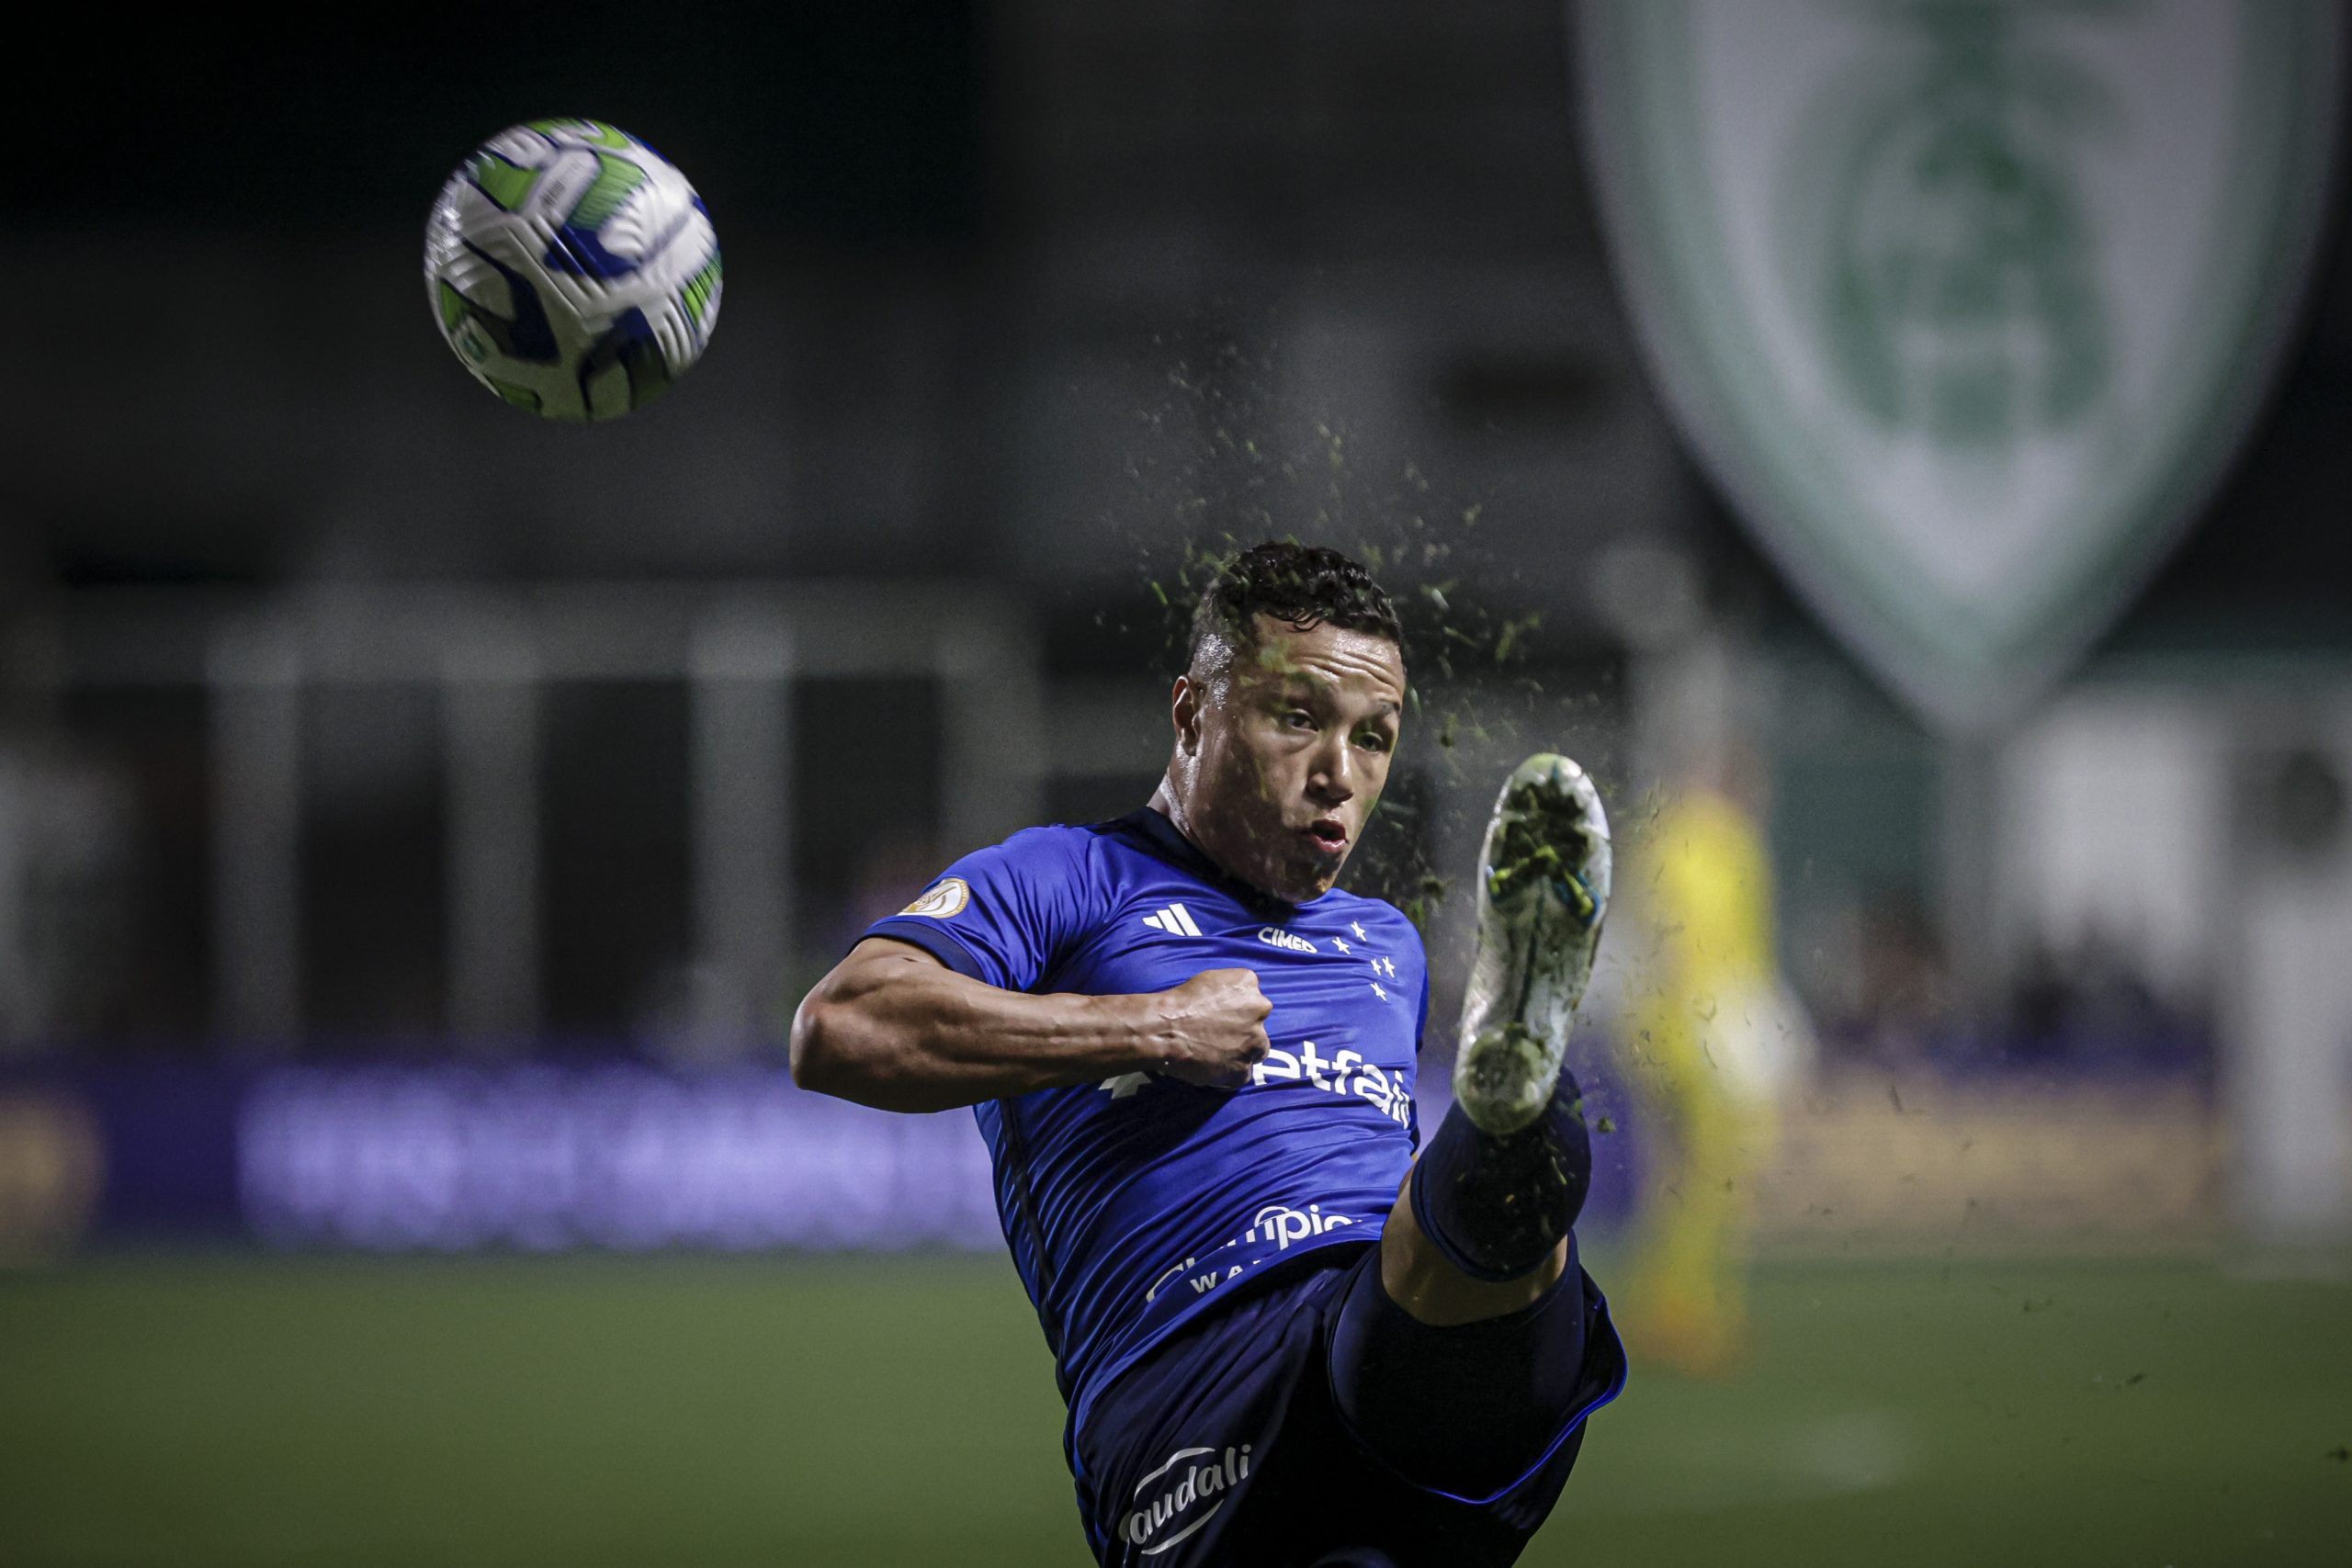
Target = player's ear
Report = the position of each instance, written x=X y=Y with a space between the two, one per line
x=1184 y=706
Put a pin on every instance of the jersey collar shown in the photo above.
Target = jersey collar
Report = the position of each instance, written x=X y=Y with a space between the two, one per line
x=1166 y=841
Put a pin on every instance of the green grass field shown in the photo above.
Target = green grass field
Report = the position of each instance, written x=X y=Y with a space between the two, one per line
x=239 y=1411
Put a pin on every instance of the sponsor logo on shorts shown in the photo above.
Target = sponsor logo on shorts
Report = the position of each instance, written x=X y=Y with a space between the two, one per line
x=1182 y=1496
x=942 y=901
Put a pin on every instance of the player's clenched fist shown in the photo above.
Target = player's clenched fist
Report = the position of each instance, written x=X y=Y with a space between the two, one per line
x=1210 y=1029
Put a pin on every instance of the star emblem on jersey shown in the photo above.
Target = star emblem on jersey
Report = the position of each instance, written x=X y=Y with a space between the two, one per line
x=1341 y=943
x=1175 y=920
x=1357 y=927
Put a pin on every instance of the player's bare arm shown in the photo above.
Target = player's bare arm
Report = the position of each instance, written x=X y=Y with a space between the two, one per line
x=894 y=1028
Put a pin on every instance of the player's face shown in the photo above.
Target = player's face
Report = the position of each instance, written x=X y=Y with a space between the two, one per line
x=1282 y=754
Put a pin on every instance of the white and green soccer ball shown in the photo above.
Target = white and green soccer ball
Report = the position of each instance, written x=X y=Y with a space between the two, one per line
x=572 y=269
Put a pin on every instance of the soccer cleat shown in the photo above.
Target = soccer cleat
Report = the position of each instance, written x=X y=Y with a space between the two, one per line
x=1542 y=891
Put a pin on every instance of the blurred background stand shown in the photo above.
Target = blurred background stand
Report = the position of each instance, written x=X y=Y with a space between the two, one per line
x=486 y=662
x=2291 y=998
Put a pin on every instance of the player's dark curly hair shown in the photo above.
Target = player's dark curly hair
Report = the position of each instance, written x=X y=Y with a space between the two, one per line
x=1304 y=586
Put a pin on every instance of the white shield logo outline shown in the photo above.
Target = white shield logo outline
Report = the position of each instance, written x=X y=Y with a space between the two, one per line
x=1968 y=500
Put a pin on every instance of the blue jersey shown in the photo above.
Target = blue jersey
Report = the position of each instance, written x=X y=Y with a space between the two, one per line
x=1135 y=1204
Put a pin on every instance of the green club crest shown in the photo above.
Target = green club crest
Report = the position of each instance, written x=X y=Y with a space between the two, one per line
x=1965 y=304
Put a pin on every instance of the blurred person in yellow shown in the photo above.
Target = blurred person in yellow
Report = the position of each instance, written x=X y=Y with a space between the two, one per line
x=1708 y=1034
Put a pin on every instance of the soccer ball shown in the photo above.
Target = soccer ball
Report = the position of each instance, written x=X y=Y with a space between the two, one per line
x=572 y=269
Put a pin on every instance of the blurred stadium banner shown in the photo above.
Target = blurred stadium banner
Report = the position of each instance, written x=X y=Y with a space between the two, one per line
x=1966 y=306
x=2132 y=1166
x=620 y=1155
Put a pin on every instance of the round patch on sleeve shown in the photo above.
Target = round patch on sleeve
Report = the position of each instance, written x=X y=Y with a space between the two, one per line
x=947 y=898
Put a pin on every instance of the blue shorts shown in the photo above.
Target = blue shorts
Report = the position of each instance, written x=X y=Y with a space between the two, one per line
x=1228 y=1445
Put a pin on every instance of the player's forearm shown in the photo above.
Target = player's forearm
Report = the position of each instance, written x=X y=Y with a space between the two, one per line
x=914 y=1036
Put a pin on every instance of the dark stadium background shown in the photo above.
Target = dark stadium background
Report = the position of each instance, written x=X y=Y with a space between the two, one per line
x=1005 y=283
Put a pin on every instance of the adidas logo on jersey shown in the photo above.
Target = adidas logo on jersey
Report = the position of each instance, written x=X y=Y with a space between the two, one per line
x=1175 y=920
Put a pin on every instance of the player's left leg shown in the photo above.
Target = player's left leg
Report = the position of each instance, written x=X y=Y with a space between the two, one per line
x=1483 y=1226
x=1501 y=1183
x=1468 y=1358
x=1463 y=1384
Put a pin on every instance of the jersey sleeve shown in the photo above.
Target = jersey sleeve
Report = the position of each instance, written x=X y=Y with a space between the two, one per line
x=1004 y=915
x=1420 y=1038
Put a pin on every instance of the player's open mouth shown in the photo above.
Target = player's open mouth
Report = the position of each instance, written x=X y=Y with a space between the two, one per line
x=1329 y=833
